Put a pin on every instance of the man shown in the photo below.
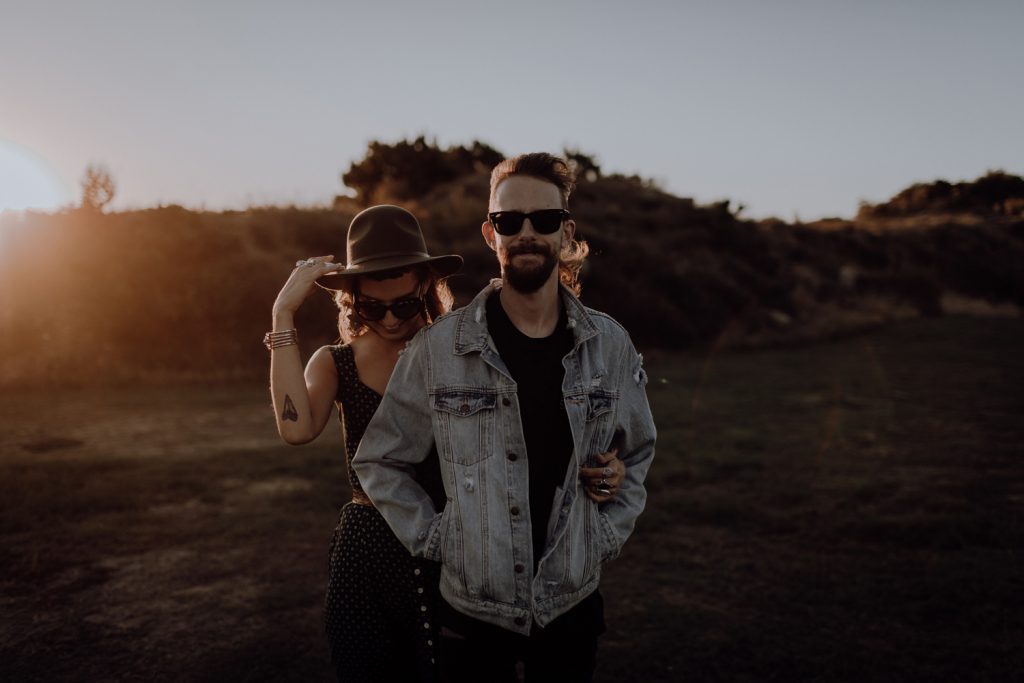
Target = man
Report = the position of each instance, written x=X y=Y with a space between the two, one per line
x=517 y=390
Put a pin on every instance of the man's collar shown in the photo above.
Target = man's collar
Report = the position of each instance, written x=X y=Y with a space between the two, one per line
x=471 y=329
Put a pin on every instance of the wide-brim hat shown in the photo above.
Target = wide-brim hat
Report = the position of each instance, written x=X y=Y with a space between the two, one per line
x=385 y=237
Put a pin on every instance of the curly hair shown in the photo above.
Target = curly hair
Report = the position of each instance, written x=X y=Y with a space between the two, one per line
x=554 y=170
x=438 y=298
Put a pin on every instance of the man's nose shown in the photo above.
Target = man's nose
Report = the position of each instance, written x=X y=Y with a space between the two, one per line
x=532 y=232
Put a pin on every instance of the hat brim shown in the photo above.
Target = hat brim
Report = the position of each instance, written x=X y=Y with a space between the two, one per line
x=443 y=266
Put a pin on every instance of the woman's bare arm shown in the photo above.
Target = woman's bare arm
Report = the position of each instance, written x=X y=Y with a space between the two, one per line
x=302 y=400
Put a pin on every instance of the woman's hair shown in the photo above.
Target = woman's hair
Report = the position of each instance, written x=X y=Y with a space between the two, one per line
x=554 y=170
x=438 y=298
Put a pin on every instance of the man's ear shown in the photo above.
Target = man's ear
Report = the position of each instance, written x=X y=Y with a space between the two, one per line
x=487 y=230
x=568 y=231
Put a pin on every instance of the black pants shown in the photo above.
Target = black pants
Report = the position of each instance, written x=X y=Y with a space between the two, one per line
x=565 y=651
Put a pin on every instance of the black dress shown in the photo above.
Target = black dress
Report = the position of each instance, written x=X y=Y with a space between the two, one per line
x=380 y=600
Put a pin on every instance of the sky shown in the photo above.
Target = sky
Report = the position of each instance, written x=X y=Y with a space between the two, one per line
x=794 y=109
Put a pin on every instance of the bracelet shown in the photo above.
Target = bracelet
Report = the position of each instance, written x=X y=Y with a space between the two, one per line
x=273 y=340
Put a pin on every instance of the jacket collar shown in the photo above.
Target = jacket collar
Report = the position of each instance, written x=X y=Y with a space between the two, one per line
x=471 y=330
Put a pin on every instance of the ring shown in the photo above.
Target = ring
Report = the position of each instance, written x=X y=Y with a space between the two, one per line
x=607 y=471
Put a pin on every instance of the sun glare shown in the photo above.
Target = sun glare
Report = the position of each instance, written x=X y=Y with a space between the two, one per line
x=27 y=181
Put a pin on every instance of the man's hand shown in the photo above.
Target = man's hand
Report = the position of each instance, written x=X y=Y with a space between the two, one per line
x=602 y=482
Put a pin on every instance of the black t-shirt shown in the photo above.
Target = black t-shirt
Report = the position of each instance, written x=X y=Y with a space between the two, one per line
x=536 y=366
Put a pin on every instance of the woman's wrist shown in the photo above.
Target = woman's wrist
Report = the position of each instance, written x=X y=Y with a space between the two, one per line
x=283 y=320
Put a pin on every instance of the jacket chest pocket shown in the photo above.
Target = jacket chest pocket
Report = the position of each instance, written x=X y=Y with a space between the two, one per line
x=466 y=422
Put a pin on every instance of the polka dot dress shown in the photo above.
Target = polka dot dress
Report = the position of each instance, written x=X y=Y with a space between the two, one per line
x=380 y=600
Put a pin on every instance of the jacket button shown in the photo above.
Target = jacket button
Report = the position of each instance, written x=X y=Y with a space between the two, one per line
x=520 y=621
x=464 y=408
x=520 y=569
x=505 y=401
x=514 y=510
x=512 y=457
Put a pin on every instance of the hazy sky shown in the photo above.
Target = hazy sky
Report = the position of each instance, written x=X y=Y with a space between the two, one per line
x=792 y=108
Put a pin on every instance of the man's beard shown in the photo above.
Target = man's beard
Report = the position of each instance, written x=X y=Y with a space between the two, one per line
x=528 y=279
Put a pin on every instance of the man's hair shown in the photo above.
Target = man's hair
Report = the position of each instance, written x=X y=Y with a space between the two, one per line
x=555 y=170
x=438 y=298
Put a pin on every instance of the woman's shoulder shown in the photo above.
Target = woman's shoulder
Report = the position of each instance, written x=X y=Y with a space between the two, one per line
x=331 y=355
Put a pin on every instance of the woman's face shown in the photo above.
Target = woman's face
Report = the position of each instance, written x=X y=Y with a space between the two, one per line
x=388 y=292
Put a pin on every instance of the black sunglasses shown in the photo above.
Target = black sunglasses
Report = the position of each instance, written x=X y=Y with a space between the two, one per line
x=403 y=309
x=544 y=222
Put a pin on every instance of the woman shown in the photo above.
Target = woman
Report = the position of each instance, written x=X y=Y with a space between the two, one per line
x=380 y=600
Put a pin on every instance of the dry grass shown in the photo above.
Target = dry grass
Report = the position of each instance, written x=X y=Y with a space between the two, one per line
x=844 y=512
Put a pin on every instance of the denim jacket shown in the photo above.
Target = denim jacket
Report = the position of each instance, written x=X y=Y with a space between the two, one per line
x=451 y=389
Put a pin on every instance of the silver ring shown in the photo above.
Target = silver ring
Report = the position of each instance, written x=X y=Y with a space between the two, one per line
x=607 y=471
x=304 y=262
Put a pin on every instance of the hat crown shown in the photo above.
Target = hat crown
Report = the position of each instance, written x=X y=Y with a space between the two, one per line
x=382 y=232
x=383 y=238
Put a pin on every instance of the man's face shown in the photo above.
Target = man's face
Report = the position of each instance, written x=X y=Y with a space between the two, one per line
x=528 y=259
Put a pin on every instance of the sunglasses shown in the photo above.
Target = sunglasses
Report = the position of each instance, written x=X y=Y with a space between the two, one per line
x=544 y=222
x=403 y=309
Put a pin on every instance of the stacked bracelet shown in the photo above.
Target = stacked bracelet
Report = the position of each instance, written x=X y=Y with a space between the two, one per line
x=272 y=340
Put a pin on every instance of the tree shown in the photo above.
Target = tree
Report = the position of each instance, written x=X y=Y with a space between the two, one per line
x=409 y=169
x=97 y=187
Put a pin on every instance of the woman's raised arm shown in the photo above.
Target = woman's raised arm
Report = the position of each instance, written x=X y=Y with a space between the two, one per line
x=302 y=400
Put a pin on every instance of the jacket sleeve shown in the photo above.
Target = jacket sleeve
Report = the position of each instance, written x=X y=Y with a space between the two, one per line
x=618 y=515
x=399 y=436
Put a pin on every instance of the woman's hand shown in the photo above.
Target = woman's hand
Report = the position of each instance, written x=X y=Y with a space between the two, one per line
x=301 y=283
x=602 y=482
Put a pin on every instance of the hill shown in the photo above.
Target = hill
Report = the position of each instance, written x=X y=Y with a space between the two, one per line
x=172 y=294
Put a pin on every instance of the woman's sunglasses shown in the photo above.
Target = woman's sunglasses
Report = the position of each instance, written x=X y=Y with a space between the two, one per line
x=544 y=222
x=402 y=309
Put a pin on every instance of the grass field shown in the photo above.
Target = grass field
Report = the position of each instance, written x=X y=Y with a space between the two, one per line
x=852 y=511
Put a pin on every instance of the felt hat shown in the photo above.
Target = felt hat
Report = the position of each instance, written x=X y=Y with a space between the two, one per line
x=386 y=237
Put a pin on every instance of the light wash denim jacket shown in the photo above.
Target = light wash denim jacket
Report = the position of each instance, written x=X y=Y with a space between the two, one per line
x=450 y=388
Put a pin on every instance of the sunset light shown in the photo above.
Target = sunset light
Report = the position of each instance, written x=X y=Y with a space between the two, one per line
x=27 y=181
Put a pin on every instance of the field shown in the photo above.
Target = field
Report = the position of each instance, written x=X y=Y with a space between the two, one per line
x=850 y=511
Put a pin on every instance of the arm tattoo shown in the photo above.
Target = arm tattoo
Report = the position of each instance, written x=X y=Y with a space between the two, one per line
x=289 y=412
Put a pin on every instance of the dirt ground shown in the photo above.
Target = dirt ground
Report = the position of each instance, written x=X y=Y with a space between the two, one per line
x=851 y=511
